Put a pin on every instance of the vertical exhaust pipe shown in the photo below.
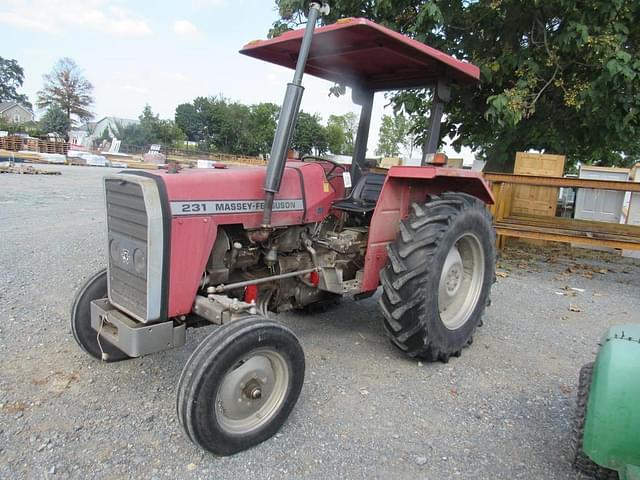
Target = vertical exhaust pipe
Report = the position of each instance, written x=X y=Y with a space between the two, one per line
x=288 y=117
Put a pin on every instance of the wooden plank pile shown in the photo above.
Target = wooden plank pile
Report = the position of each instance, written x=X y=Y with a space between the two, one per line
x=191 y=158
x=24 y=156
x=130 y=162
x=12 y=143
x=540 y=227
x=19 y=147
x=15 y=144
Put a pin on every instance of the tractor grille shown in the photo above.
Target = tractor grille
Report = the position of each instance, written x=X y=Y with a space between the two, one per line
x=127 y=226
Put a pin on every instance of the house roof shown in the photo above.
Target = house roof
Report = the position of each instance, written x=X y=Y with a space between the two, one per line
x=124 y=121
x=91 y=126
x=7 y=105
x=359 y=52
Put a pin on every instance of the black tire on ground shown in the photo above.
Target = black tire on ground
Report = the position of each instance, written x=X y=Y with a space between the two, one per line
x=412 y=277
x=233 y=363
x=580 y=460
x=87 y=337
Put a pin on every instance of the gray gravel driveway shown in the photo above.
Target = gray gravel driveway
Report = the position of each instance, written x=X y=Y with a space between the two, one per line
x=501 y=411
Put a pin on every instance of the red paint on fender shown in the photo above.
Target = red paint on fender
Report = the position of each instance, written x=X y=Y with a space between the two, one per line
x=402 y=187
x=191 y=242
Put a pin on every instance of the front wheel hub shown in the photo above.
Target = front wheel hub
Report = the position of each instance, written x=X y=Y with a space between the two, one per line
x=252 y=392
x=461 y=281
x=453 y=272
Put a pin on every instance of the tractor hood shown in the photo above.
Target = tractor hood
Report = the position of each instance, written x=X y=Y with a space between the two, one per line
x=195 y=202
x=234 y=194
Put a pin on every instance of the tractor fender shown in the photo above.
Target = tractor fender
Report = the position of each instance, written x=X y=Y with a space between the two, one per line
x=442 y=179
x=403 y=186
x=612 y=427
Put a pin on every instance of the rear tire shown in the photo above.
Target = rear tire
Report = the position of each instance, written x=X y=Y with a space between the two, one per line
x=580 y=459
x=93 y=289
x=438 y=277
x=240 y=385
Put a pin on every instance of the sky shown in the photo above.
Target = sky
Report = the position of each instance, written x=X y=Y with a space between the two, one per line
x=158 y=53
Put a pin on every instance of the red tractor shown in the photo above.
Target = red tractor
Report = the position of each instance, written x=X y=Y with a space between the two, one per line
x=226 y=246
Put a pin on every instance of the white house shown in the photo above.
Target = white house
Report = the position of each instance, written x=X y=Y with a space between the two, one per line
x=90 y=131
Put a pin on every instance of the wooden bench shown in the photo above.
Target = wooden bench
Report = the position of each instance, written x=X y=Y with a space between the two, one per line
x=570 y=230
x=559 y=229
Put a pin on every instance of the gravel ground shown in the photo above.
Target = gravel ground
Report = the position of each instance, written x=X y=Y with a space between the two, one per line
x=502 y=410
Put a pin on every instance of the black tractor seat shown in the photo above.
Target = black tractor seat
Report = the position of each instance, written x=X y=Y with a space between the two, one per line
x=364 y=195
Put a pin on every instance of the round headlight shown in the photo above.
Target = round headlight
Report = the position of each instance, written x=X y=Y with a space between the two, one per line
x=139 y=261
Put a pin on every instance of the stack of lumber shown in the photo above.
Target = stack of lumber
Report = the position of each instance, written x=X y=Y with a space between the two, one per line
x=510 y=223
x=191 y=159
x=21 y=155
x=12 y=143
x=132 y=162
x=600 y=234
x=16 y=144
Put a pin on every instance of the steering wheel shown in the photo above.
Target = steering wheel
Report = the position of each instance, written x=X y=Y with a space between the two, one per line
x=320 y=159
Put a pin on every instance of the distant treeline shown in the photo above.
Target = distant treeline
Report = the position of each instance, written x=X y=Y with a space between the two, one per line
x=222 y=125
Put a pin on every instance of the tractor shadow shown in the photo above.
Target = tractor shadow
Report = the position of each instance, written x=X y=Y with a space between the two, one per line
x=349 y=325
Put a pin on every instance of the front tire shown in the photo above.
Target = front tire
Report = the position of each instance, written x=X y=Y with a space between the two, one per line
x=580 y=459
x=240 y=385
x=93 y=289
x=438 y=277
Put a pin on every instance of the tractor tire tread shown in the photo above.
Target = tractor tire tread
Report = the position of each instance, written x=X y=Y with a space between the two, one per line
x=204 y=360
x=80 y=319
x=410 y=262
x=580 y=459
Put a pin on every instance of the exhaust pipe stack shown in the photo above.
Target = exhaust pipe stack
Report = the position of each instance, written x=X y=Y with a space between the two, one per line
x=288 y=117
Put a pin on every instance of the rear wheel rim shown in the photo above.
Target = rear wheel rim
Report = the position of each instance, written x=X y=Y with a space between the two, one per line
x=461 y=281
x=252 y=392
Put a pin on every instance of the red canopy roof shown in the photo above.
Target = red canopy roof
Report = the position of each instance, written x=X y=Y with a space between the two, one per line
x=359 y=52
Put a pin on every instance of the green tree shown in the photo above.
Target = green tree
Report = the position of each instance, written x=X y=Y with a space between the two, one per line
x=132 y=134
x=235 y=135
x=30 y=128
x=309 y=137
x=67 y=87
x=224 y=124
x=335 y=138
x=107 y=136
x=262 y=125
x=12 y=78
x=55 y=121
x=388 y=141
x=227 y=126
x=396 y=136
x=188 y=119
x=341 y=133
x=151 y=129
x=560 y=76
